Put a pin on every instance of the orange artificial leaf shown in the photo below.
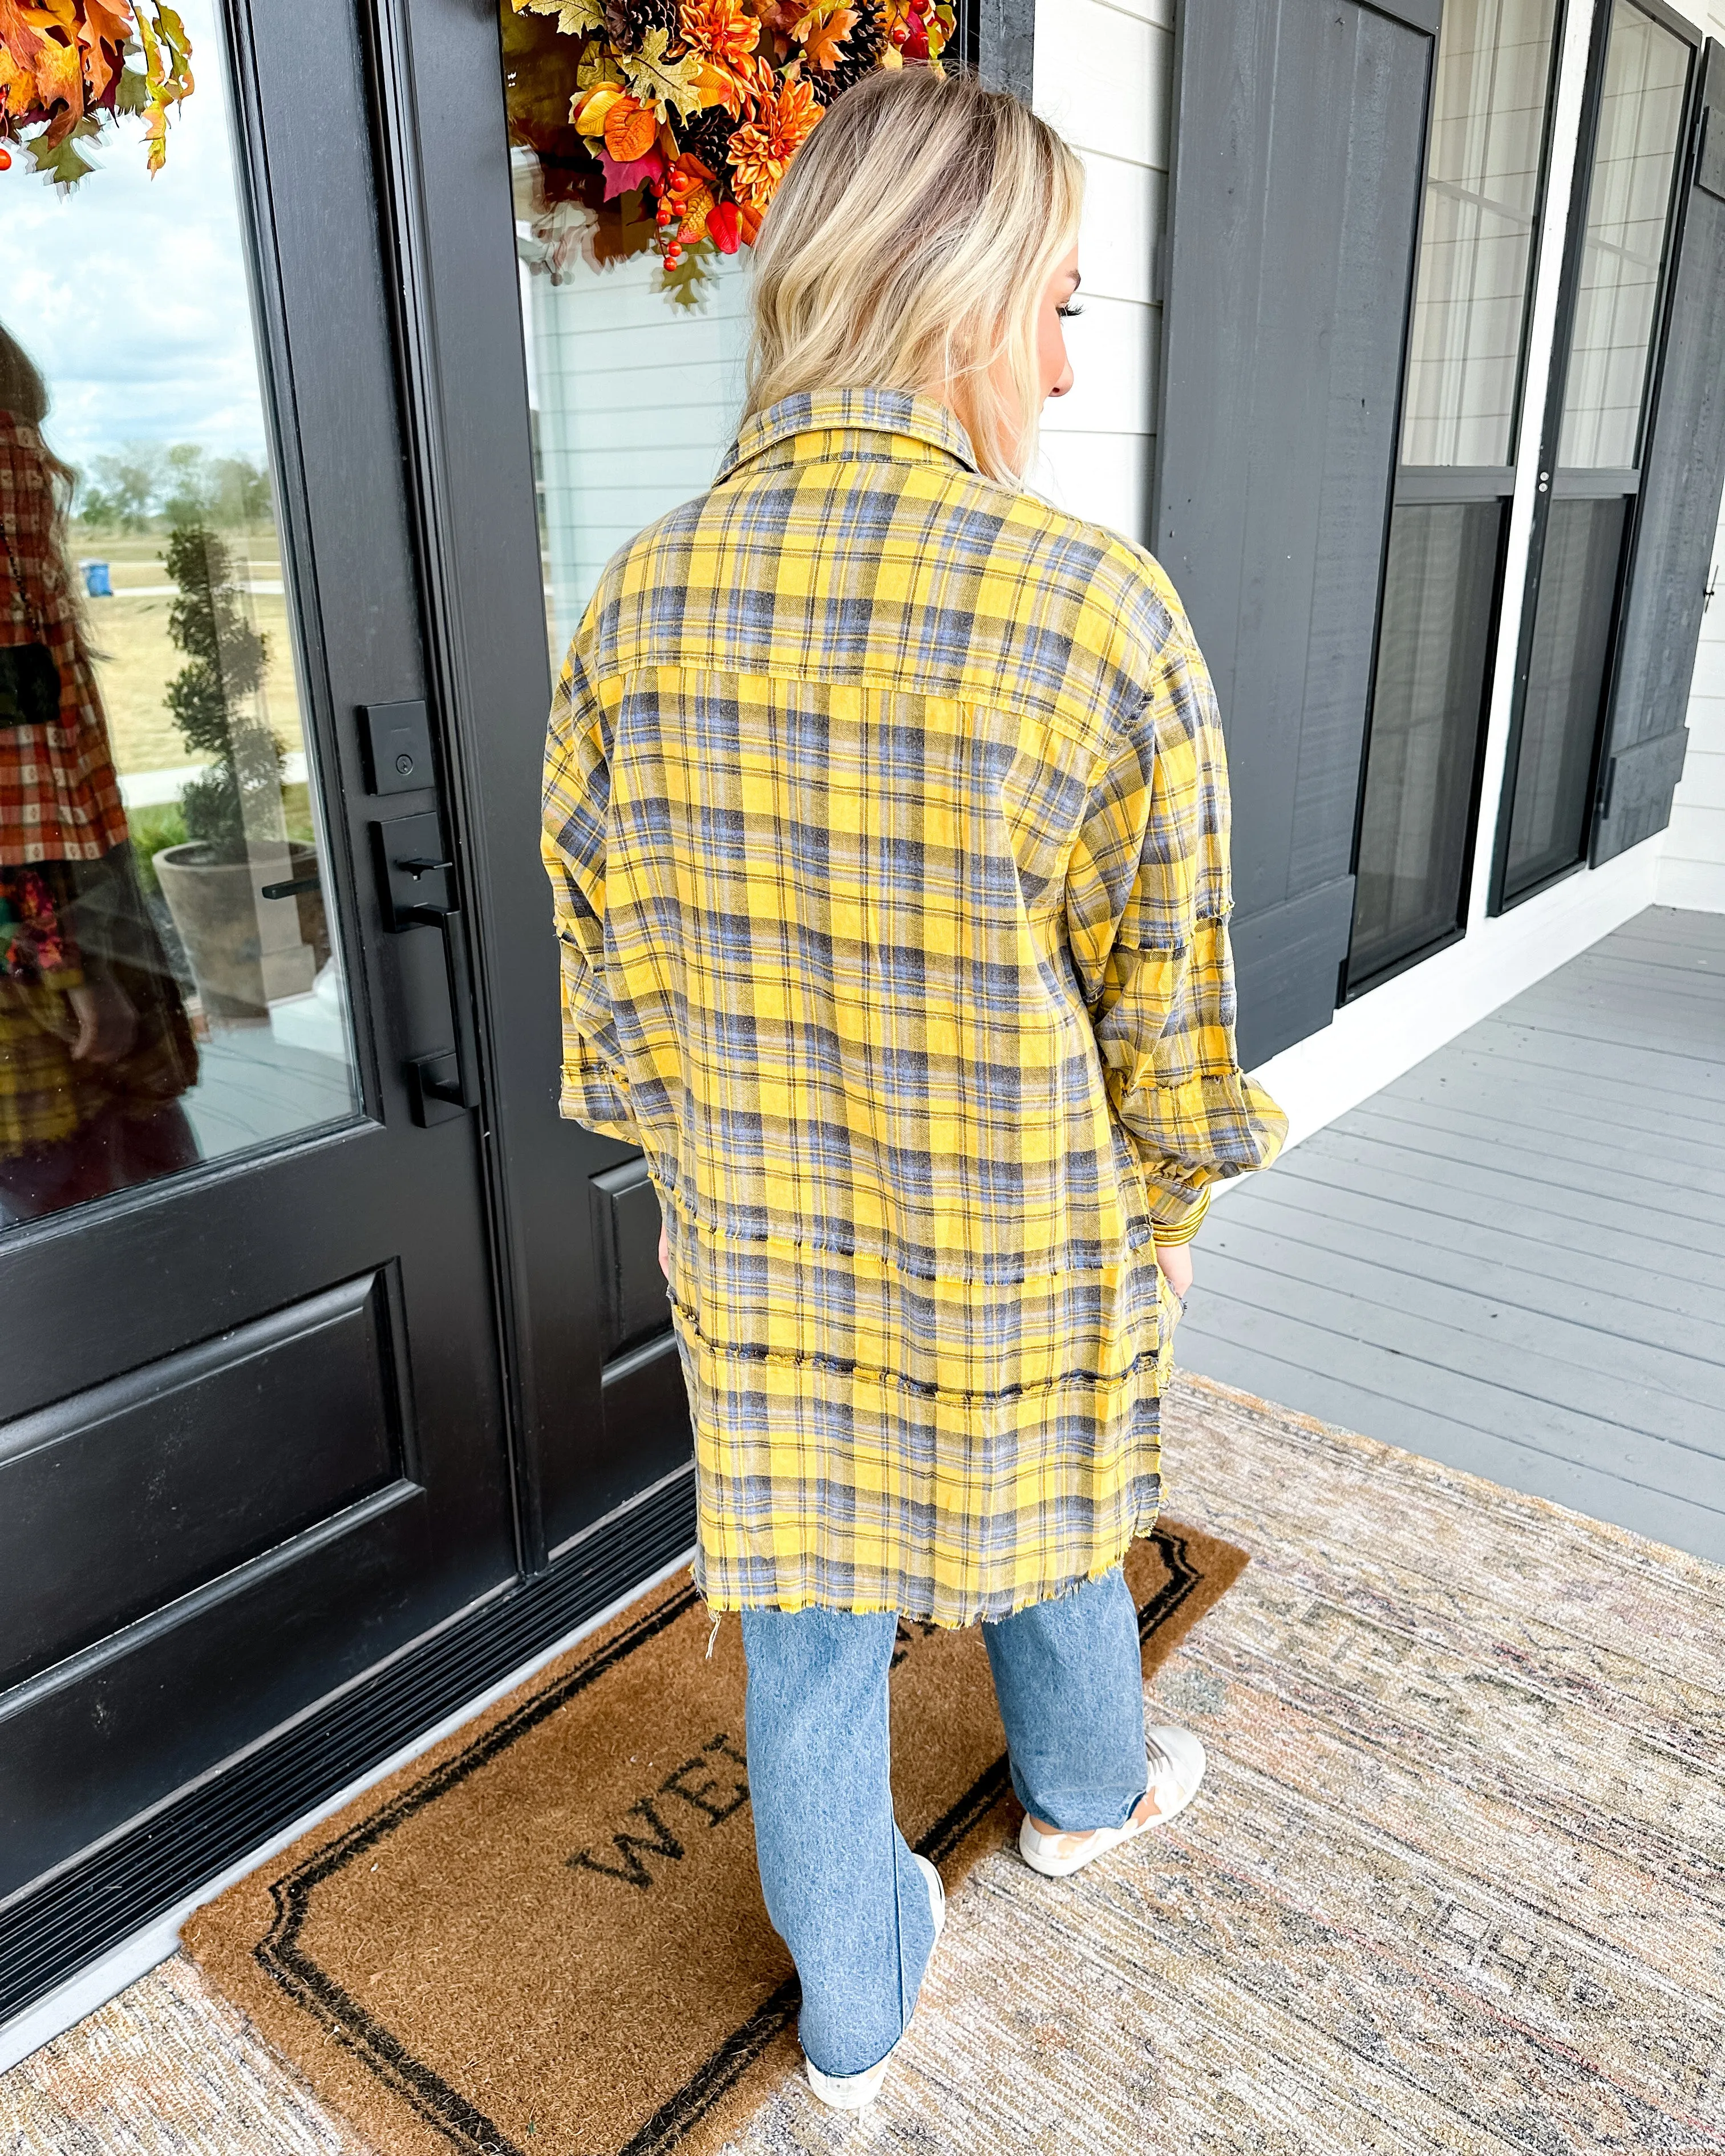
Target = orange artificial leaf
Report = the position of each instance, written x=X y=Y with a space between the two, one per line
x=20 y=44
x=587 y=112
x=631 y=129
x=824 y=38
x=692 y=188
x=700 y=205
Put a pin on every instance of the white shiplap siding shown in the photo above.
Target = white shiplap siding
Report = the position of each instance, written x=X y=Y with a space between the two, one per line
x=1692 y=868
x=1691 y=871
x=1103 y=77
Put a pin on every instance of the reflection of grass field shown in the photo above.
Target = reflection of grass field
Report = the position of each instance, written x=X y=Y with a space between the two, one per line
x=135 y=660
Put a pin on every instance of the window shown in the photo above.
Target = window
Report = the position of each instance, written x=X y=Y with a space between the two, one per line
x=1597 y=414
x=1437 y=620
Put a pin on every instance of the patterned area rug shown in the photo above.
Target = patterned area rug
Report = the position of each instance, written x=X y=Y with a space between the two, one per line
x=1456 y=1884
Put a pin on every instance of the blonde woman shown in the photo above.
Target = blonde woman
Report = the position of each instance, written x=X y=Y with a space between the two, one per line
x=886 y=818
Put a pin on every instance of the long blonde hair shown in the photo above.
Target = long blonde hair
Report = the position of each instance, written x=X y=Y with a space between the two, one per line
x=908 y=247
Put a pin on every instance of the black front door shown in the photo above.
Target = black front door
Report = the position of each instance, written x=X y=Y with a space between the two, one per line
x=254 y=1437
x=338 y=1381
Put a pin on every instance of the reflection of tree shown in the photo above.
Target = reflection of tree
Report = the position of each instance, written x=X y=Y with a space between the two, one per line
x=212 y=699
x=179 y=481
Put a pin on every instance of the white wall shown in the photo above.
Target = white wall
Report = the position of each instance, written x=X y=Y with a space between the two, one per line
x=1692 y=868
x=1103 y=76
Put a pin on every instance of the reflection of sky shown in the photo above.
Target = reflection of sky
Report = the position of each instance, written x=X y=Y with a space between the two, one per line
x=130 y=293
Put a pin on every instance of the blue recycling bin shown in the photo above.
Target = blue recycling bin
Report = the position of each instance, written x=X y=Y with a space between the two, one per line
x=97 y=584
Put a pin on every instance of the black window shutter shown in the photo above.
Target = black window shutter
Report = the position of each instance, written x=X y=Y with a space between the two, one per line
x=1299 y=141
x=1677 y=514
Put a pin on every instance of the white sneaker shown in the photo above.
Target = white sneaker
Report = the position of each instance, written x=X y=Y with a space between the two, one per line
x=851 y=2091
x=1176 y=1761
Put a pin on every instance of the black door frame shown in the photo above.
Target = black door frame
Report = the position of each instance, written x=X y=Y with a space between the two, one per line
x=1603 y=484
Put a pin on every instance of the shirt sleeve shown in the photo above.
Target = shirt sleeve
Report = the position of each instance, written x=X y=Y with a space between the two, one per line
x=577 y=801
x=1148 y=899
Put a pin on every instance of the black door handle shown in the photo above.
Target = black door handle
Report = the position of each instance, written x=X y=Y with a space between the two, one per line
x=449 y=1077
x=412 y=862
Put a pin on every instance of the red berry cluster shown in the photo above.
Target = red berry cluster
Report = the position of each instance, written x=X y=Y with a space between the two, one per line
x=910 y=32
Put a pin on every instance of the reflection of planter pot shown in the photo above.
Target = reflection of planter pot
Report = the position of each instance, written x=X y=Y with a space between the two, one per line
x=223 y=920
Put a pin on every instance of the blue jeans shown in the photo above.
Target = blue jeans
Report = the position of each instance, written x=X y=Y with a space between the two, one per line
x=840 y=1887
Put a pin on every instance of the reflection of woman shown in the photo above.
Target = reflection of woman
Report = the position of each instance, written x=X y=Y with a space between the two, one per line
x=94 y=1046
x=887 y=820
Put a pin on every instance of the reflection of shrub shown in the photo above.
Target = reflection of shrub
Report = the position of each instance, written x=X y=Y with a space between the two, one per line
x=160 y=824
x=225 y=658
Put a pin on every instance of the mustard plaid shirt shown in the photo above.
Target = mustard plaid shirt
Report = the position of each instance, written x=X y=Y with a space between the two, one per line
x=886 y=818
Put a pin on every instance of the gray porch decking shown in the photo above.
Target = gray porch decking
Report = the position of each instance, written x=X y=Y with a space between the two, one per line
x=1511 y=1260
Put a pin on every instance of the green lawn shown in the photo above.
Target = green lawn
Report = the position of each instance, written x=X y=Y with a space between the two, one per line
x=135 y=660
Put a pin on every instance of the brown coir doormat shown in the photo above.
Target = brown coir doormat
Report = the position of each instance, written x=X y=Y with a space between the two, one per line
x=548 y=1934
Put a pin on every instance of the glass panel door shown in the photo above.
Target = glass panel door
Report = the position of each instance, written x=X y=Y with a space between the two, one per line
x=1438 y=614
x=635 y=372
x=1588 y=494
x=252 y=1434
x=170 y=986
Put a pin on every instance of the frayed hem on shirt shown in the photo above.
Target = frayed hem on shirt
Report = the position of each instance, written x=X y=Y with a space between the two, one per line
x=719 y=1605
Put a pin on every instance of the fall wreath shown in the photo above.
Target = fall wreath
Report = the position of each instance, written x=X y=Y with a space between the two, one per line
x=668 y=124
x=68 y=68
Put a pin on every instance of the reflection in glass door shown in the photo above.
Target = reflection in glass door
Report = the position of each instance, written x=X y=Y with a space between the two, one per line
x=1443 y=567
x=169 y=987
x=1597 y=411
x=633 y=381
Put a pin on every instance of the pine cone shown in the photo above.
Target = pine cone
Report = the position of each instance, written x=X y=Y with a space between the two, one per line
x=629 y=21
x=863 y=49
x=708 y=136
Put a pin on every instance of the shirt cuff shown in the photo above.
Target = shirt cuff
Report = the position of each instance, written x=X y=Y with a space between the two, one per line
x=1183 y=1230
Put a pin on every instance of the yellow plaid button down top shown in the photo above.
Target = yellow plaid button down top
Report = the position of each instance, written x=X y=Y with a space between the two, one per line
x=887 y=819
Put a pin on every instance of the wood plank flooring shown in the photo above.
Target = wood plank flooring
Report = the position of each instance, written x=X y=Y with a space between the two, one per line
x=1512 y=1259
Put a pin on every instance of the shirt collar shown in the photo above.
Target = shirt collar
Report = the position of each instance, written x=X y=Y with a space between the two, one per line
x=848 y=423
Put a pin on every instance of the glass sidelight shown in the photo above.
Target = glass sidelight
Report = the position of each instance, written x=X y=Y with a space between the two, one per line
x=170 y=987
x=1437 y=620
x=633 y=380
x=1597 y=412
